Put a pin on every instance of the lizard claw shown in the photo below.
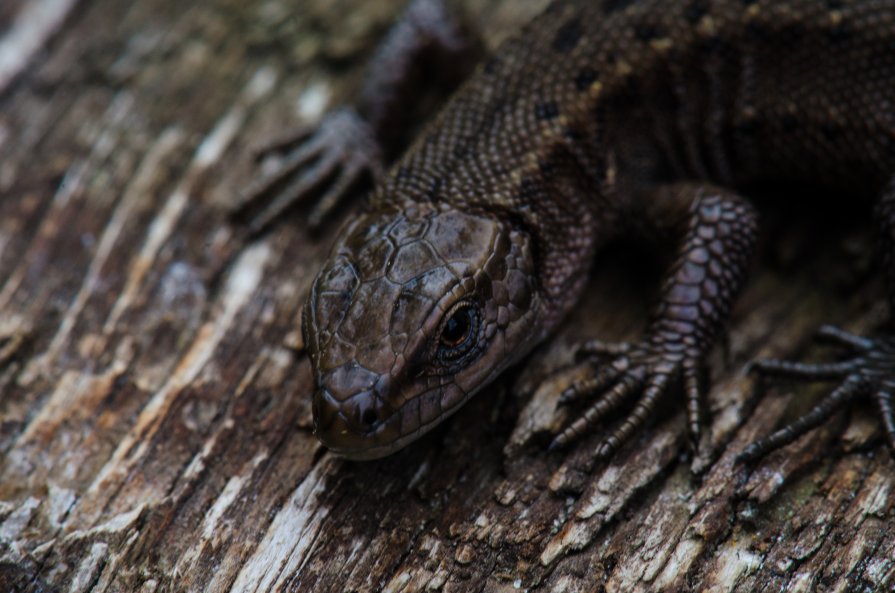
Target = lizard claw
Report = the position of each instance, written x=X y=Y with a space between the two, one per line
x=870 y=371
x=643 y=371
x=327 y=161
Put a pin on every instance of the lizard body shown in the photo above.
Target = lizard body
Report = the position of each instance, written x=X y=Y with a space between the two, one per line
x=596 y=118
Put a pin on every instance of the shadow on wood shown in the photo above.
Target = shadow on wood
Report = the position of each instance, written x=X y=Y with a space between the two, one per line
x=155 y=425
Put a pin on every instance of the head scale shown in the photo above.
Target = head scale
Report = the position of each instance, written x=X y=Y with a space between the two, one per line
x=413 y=313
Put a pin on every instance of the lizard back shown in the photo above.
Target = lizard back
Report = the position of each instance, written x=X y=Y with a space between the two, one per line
x=729 y=90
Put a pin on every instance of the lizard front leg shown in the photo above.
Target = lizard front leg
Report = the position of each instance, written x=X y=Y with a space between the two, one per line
x=870 y=372
x=695 y=302
x=430 y=48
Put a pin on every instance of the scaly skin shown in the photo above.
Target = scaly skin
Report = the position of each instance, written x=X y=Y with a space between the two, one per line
x=568 y=137
x=387 y=288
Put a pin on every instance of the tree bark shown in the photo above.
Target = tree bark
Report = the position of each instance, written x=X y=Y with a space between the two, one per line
x=155 y=424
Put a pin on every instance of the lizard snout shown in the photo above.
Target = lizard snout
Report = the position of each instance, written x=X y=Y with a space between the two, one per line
x=351 y=424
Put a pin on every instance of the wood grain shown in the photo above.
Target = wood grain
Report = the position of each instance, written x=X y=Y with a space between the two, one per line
x=154 y=410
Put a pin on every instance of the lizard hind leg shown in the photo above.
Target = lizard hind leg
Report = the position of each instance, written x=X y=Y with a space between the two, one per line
x=698 y=291
x=870 y=371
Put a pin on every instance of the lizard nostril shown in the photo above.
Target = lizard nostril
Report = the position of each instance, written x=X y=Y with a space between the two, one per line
x=365 y=415
x=368 y=419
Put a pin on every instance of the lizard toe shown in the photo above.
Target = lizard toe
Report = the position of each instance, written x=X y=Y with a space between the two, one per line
x=327 y=163
x=634 y=374
x=870 y=371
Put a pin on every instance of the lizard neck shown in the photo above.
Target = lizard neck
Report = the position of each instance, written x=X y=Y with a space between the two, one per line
x=567 y=211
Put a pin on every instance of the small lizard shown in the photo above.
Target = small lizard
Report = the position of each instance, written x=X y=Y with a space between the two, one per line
x=596 y=119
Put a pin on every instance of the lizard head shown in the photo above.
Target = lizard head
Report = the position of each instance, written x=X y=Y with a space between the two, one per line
x=413 y=313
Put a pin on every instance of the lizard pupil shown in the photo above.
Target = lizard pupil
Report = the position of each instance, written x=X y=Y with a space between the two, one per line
x=458 y=338
x=456 y=330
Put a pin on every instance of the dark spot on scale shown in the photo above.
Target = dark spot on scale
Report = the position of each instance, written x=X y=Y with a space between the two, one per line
x=647 y=32
x=749 y=126
x=757 y=33
x=710 y=45
x=403 y=172
x=616 y=5
x=434 y=188
x=568 y=35
x=490 y=66
x=493 y=113
x=546 y=110
x=831 y=131
x=839 y=33
x=585 y=78
x=461 y=151
x=889 y=142
x=793 y=33
x=749 y=2
x=573 y=135
x=790 y=123
x=547 y=167
x=695 y=10
x=601 y=171
x=527 y=187
x=834 y=4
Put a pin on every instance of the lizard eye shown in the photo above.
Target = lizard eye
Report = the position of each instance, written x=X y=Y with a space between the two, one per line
x=459 y=332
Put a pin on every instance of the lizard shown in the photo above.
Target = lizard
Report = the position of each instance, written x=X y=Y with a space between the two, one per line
x=598 y=119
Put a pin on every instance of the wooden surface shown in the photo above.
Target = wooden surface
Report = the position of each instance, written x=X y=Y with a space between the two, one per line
x=154 y=400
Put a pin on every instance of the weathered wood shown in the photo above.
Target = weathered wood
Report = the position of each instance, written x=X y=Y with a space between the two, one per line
x=154 y=414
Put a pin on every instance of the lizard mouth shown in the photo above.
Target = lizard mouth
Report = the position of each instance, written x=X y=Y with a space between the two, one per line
x=360 y=430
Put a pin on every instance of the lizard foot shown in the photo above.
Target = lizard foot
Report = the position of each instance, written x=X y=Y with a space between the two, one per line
x=870 y=372
x=327 y=160
x=640 y=372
